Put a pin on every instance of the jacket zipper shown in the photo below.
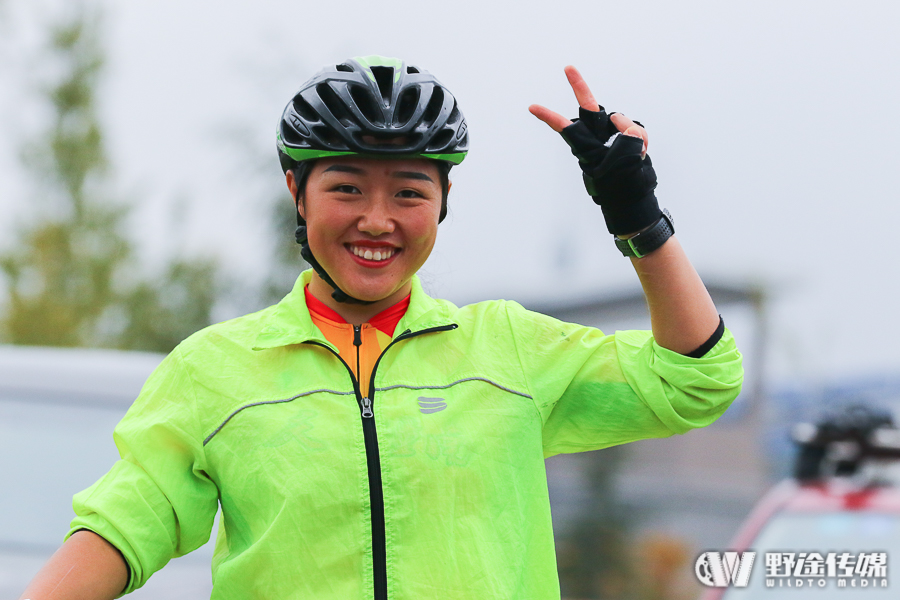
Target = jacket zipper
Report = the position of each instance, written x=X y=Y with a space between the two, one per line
x=365 y=403
x=373 y=459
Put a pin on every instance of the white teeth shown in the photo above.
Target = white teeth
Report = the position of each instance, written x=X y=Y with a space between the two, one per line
x=370 y=255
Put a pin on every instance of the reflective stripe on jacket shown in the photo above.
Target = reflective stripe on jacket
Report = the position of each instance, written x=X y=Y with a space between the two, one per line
x=442 y=493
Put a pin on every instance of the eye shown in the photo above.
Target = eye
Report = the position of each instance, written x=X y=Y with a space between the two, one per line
x=346 y=189
x=409 y=194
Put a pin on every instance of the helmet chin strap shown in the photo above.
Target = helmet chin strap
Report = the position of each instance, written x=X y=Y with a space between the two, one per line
x=338 y=294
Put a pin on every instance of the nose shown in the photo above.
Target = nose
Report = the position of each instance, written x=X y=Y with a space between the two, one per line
x=377 y=218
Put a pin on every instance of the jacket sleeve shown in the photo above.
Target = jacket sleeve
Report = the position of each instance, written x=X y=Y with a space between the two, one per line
x=594 y=391
x=156 y=502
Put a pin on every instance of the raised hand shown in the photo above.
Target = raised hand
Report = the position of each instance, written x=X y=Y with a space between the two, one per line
x=586 y=101
x=618 y=174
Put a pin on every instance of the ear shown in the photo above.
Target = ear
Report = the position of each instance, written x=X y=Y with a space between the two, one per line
x=292 y=188
x=291 y=183
x=449 y=185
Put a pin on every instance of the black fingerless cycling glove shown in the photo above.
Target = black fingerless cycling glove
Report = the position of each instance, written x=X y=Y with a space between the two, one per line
x=615 y=175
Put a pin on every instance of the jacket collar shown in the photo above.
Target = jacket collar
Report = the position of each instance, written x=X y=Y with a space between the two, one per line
x=288 y=322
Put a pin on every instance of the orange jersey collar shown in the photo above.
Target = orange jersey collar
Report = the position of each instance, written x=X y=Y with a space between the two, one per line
x=385 y=321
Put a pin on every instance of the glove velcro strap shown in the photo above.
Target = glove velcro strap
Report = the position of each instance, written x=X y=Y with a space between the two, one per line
x=588 y=134
x=615 y=174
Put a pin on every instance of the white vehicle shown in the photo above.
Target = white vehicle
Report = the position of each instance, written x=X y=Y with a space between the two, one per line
x=58 y=408
x=834 y=528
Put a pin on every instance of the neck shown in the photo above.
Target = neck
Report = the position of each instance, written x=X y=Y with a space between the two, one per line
x=355 y=314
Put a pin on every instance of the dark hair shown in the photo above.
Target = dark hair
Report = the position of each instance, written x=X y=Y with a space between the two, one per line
x=302 y=170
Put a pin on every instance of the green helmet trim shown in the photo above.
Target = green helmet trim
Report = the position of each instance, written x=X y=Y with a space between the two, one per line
x=367 y=62
x=301 y=154
x=455 y=157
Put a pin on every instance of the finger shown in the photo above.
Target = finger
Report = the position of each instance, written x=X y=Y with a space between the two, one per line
x=629 y=127
x=583 y=93
x=554 y=120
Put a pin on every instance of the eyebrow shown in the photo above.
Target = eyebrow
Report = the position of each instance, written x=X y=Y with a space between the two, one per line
x=345 y=169
x=411 y=175
x=396 y=174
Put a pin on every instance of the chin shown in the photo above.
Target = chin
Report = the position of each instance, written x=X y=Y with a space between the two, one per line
x=369 y=294
x=371 y=286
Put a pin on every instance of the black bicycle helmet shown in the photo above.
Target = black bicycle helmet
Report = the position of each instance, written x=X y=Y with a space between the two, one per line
x=371 y=106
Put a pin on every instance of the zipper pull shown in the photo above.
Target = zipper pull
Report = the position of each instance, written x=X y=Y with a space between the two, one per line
x=357 y=338
x=367 y=408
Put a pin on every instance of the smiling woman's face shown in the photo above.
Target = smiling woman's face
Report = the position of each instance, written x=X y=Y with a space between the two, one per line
x=372 y=223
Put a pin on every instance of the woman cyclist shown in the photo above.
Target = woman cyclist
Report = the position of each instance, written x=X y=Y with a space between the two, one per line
x=363 y=440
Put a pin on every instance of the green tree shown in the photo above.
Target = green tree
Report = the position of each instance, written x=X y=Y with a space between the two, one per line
x=72 y=276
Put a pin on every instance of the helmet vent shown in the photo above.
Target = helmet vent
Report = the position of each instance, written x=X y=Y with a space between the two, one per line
x=344 y=67
x=454 y=115
x=441 y=140
x=366 y=104
x=333 y=102
x=327 y=136
x=304 y=109
x=412 y=70
x=434 y=106
x=384 y=77
x=293 y=137
x=406 y=106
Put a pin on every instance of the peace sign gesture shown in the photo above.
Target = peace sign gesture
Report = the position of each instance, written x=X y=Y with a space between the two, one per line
x=586 y=101
x=612 y=152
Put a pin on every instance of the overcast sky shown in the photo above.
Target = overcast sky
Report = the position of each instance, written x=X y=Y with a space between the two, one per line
x=772 y=126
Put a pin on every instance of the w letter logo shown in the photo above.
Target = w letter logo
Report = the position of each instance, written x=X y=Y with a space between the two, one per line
x=714 y=569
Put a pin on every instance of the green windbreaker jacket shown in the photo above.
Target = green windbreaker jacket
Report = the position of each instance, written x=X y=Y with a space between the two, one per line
x=441 y=493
